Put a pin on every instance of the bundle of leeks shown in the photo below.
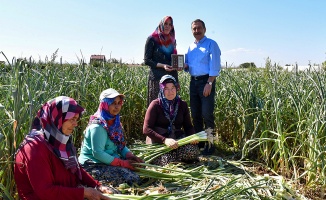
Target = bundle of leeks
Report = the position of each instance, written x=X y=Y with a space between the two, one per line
x=152 y=151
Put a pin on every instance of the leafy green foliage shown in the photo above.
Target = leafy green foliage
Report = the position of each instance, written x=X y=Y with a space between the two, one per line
x=269 y=115
x=324 y=65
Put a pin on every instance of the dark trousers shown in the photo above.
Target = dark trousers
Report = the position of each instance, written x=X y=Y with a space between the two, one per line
x=202 y=108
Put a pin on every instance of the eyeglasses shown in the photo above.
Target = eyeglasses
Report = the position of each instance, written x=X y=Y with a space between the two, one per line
x=173 y=89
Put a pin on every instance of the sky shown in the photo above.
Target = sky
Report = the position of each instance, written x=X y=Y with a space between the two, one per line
x=284 y=31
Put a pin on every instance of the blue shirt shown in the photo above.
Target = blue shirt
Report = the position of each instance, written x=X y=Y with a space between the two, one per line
x=204 y=58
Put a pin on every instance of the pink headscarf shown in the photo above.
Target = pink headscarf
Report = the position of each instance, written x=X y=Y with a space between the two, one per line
x=167 y=42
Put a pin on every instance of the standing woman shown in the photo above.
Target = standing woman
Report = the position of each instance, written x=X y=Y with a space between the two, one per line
x=167 y=119
x=158 y=49
x=46 y=166
x=104 y=153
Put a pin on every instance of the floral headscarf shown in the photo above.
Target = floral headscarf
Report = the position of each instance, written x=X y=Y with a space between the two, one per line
x=170 y=107
x=167 y=43
x=48 y=123
x=102 y=116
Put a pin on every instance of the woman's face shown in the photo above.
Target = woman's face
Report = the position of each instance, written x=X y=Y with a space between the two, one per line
x=115 y=106
x=167 y=26
x=170 y=91
x=69 y=125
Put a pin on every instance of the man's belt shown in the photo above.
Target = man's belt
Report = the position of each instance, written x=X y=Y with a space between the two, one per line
x=199 y=77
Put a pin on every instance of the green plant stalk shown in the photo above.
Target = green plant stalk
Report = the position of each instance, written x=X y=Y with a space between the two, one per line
x=151 y=155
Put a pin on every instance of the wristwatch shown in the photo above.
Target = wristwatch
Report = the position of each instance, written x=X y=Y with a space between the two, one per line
x=210 y=83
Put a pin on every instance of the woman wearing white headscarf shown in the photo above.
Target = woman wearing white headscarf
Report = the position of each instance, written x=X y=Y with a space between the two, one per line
x=104 y=153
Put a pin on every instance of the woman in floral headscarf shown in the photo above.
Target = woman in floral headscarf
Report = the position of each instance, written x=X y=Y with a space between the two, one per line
x=167 y=119
x=104 y=153
x=158 y=49
x=46 y=166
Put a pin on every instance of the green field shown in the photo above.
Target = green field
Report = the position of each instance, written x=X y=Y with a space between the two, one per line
x=268 y=116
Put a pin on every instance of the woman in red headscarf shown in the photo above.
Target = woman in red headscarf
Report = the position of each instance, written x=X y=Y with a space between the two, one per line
x=46 y=166
x=158 y=49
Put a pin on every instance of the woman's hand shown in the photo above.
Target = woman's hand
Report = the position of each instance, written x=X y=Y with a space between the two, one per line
x=131 y=156
x=139 y=160
x=168 y=68
x=123 y=163
x=93 y=194
x=171 y=143
x=106 y=190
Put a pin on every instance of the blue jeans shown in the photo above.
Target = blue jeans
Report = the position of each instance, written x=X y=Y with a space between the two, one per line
x=202 y=108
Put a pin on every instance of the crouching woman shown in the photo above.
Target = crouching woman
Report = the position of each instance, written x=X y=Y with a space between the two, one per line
x=104 y=153
x=167 y=119
x=46 y=166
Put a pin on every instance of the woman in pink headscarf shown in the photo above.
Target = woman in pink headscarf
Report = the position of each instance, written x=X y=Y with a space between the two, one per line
x=46 y=166
x=158 y=49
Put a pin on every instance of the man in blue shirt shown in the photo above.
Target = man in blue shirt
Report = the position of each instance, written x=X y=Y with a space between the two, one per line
x=203 y=62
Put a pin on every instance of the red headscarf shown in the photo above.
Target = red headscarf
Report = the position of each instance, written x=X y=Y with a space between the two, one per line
x=48 y=125
x=167 y=42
